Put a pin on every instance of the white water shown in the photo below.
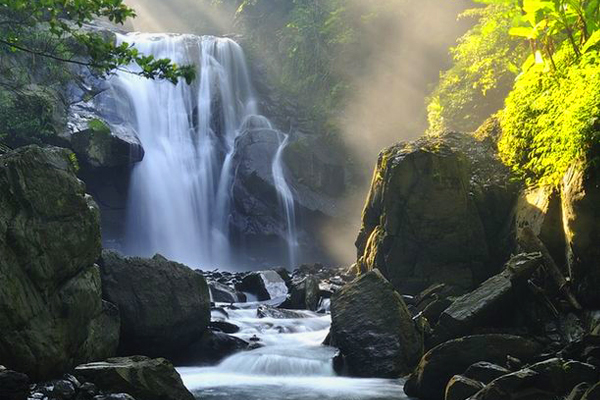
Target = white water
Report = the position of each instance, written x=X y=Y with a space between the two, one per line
x=180 y=195
x=292 y=365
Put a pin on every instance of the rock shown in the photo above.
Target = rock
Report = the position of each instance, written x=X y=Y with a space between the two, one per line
x=114 y=396
x=141 y=377
x=224 y=326
x=265 y=285
x=373 y=328
x=512 y=384
x=164 y=305
x=221 y=293
x=461 y=388
x=420 y=225
x=482 y=306
x=304 y=295
x=211 y=349
x=439 y=364
x=578 y=391
x=13 y=385
x=264 y=311
x=485 y=372
x=592 y=393
x=580 y=199
x=50 y=296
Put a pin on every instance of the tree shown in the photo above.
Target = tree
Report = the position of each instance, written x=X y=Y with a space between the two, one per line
x=62 y=20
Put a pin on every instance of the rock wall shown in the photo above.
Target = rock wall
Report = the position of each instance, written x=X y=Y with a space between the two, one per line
x=50 y=297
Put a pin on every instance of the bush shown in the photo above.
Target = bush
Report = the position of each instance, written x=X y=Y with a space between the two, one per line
x=551 y=118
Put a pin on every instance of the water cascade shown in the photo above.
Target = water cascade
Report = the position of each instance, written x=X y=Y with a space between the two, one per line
x=180 y=195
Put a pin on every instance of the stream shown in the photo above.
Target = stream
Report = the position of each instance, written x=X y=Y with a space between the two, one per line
x=292 y=364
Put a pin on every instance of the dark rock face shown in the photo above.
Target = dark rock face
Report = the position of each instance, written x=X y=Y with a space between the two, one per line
x=164 y=305
x=419 y=224
x=373 y=328
x=493 y=297
x=13 y=385
x=581 y=215
x=211 y=349
x=50 y=297
x=140 y=377
x=436 y=213
x=451 y=358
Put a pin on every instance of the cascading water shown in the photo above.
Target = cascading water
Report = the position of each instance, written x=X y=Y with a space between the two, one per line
x=180 y=195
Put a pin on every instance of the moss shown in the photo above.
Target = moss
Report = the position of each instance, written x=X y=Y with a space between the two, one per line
x=551 y=119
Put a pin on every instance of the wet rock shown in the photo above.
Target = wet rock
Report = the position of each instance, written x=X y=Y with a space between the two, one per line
x=265 y=311
x=482 y=306
x=373 y=328
x=224 y=326
x=265 y=285
x=13 y=385
x=50 y=294
x=114 y=396
x=461 y=388
x=485 y=372
x=224 y=294
x=164 y=305
x=439 y=364
x=304 y=295
x=211 y=349
x=420 y=225
x=140 y=377
x=580 y=199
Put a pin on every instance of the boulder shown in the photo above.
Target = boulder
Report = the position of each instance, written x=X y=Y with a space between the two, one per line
x=210 y=349
x=221 y=293
x=114 y=396
x=50 y=296
x=373 y=328
x=13 y=385
x=441 y=363
x=482 y=307
x=265 y=285
x=420 y=225
x=164 y=305
x=304 y=295
x=264 y=311
x=461 y=388
x=141 y=377
x=581 y=217
x=485 y=372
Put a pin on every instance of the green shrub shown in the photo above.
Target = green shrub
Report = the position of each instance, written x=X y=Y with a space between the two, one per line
x=551 y=117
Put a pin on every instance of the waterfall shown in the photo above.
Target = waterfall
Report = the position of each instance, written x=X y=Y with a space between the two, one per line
x=180 y=195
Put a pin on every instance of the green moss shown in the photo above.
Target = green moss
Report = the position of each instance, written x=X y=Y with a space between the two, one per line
x=551 y=119
x=98 y=126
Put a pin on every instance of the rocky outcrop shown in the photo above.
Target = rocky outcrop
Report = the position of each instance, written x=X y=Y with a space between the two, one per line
x=581 y=217
x=13 y=385
x=491 y=301
x=373 y=328
x=164 y=306
x=50 y=298
x=141 y=377
x=440 y=364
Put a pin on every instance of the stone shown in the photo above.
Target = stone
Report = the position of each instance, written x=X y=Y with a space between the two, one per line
x=164 y=305
x=210 y=349
x=141 y=377
x=420 y=225
x=265 y=285
x=481 y=307
x=581 y=218
x=304 y=295
x=578 y=391
x=50 y=296
x=114 y=396
x=224 y=326
x=13 y=385
x=221 y=293
x=453 y=357
x=592 y=393
x=461 y=388
x=485 y=372
x=264 y=311
x=373 y=328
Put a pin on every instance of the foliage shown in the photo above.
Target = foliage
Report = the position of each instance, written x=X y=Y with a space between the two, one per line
x=63 y=19
x=486 y=61
x=552 y=118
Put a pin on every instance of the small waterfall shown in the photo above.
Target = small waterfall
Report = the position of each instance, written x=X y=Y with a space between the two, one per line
x=286 y=199
x=180 y=195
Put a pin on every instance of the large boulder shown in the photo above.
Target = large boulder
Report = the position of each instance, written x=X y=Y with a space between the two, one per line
x=581 y=216
x=373 y=328
x=420 y=224
x=304 y=294
x=141 y=377
x=164 y=305
x=441 y=363
x=13 y=385
x=50 y=296
x=483 y=306
x=265 y=285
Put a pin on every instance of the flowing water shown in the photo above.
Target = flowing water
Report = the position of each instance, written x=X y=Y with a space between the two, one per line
x=180 y=195
x=292 y=365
